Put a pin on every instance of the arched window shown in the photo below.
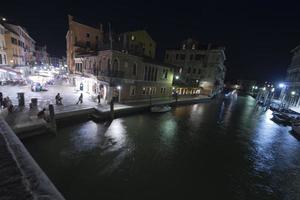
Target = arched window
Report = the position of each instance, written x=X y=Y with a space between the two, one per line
x=115 y=65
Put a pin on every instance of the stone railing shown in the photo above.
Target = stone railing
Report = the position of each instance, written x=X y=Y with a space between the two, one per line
x=20 y=175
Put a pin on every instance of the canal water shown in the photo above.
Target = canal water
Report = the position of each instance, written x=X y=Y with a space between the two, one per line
x=217 y=150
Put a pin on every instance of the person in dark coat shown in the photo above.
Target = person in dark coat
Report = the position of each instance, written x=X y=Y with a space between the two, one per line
x=80 y=100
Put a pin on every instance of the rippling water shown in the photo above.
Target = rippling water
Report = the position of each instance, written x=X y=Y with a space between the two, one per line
x=216 y=150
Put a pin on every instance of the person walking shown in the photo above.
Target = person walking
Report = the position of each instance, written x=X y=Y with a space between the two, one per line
x=99 y=98
x=1 y=99
x=80 y=99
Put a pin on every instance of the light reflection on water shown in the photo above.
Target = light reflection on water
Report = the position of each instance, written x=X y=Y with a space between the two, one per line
x=231 y=147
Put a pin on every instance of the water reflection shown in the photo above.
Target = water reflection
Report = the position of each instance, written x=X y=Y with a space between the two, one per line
x=226 y=146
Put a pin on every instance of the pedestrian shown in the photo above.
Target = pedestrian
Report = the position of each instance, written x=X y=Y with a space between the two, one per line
x=58 y=99
x=41 y=114
x=1 y=99
x=80 y=100
x=99 y=98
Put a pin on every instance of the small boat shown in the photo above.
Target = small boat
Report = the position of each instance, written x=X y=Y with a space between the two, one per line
x=296 y=128
x=281 y=118
x=160 y=109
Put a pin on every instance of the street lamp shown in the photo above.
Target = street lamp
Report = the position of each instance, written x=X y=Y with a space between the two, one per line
x=273 y=89
x=293 y=93
x=264 y=88
x=119 y=87
x=3 y=19
x=176 y=77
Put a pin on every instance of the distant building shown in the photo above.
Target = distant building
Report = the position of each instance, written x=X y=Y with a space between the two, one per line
x=81 y=39
x=3 y=56
x=200 y=69
x=41 y=55
x=246 y=86
x=291 y=91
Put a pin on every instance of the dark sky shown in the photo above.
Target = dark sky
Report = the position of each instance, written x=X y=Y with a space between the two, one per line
x=258 y=35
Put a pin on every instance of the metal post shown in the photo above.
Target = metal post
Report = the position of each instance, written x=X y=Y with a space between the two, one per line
x=112 y=112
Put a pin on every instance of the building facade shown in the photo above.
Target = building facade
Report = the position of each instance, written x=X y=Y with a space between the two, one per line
x=200 y=70
x=41 y=55
x=3 y=56
x=124 y=77
x=14 y=47
x=135 y=42
x=290 y=94
x=81 y=39
x=26 y=42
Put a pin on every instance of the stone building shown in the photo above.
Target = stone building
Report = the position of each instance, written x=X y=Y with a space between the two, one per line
x=14 y=47
x=135 y=42
x=81 y=39
x=290 y=94
x=41 y=55
x=200 y=69
x=26 y=43
x=124 y=76
x=3 y=56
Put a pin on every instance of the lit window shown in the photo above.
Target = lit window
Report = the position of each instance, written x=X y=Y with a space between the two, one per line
x=193 y=46
x=132 y=37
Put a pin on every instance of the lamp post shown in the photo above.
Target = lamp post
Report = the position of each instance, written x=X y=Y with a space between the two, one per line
x=119 y=90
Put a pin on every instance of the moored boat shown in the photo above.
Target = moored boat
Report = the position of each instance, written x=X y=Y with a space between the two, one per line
x=160 y=109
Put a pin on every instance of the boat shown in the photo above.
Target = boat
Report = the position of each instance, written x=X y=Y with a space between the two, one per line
x=281 y=118
x=160 y=109
x=296 y=128
x=285 y=117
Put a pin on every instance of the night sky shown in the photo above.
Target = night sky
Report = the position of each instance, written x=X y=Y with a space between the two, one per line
x=258 y=35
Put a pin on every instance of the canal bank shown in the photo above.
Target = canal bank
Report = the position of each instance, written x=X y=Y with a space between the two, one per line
x=25 y=123
x=217 y=150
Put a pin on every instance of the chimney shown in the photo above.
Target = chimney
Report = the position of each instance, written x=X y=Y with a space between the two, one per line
x=70 y=18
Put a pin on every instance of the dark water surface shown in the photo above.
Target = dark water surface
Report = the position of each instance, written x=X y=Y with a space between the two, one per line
x=216 y=150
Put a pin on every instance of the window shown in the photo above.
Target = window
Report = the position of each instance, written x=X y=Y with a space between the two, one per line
x=4 y=59
x=115 y=65
x=167 y=56
x=162 y=90
x=183 y=46
x=143 y=90
x=154 y=90
x=108 y=64
x=199 y=71
x=199 y=57
x=165 y=74
x=145 y=73
x=88 y=44
x=134 y=69
x=177 y=56
x=182 y=56
x=96 y=38
x=189 y=70
x=87 y=35
x=193 y=46
x=132 y=90
x=194 y=70
x=191 y=56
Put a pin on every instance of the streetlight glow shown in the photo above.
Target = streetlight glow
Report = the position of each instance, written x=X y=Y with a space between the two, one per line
x=264 y=88
x=273 y=89
x=293 y=93
x=176 y=77
x=119 y=87
x=281 y=85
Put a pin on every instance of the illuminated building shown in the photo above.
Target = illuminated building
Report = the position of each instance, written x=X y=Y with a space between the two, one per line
x=199 y=69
